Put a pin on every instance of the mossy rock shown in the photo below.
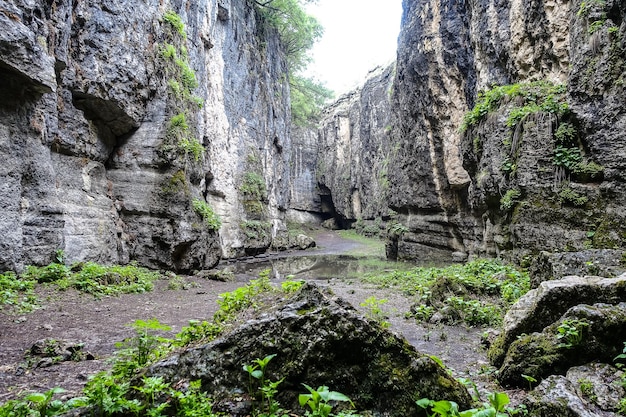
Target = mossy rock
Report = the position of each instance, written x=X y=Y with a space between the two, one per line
x=566 y=343
x=318 y=340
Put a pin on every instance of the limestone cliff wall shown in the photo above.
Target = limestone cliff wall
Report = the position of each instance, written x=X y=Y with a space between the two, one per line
x=512 y=182
x=354 y=149
x=93 y=162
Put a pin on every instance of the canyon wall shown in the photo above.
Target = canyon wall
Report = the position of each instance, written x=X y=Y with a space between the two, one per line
x=537 y=165
x=353 y=152
x=126 y=127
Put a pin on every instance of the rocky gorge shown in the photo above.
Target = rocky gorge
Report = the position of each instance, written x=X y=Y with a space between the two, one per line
x=158 y=133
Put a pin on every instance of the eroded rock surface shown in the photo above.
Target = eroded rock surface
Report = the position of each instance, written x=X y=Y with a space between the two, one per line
x=544 y=305
x=584 y=334
x=91 y=165
x=501 y=187
x=318 y=340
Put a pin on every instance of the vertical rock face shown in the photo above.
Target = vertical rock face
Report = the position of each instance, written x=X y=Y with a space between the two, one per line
x=99 y=162
x=354 y=151
x=540 y=167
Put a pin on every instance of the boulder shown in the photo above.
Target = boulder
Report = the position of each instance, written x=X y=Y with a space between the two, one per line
x=584 y=334
x=544 y=305
x=604 y=262
x=303 y=241
x=556 y=397
x=318 y=340
x=586 y=391
x=598 y=383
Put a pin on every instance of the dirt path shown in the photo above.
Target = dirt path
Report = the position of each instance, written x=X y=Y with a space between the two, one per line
x=99 y=324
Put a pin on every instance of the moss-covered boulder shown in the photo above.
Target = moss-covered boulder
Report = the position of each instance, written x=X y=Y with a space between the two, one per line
x=318 y=340
x=545 y=304
x=584 y=334
x=586 y=391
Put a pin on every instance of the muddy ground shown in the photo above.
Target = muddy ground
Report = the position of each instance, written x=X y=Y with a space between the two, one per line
x=100 y=323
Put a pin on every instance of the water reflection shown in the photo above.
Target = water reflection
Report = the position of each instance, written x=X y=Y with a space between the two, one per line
x=313 y=267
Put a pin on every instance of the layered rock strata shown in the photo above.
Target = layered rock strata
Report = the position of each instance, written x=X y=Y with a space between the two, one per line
x=540 y=167
x=104 y=107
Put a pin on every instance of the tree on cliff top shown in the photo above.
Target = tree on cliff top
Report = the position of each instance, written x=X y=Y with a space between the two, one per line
x=298 y=33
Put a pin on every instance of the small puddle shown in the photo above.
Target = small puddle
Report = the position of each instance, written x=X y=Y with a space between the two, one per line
x=315 y=267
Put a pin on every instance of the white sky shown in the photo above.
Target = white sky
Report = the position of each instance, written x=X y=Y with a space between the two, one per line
x=358 y=36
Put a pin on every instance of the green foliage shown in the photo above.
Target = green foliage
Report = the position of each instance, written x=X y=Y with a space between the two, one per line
x=178 y=123
x=565 y=134
x=291 y=286
x=49 y=273
x=140 y=349
x=197 y=331
x=240 y=299
x=569 y=196
x=474 y=312
x=267 y=389
x=588 y=171
x=496 y=407
x=211 y=219
x=320 y=400
x=253 y=187
x=192 y=147
x=537 y=96
x=298 y=32
x=530 y=381
x=570 y=332
x=567 y=157
x=255 y=229
x=396 y=229
x=463 y=285
x=510 y=198
x=168 y=52
x=37 y=404
x=174 y=20
x=107 y=396
x=589 y=5
x=487 y=101
x=308 y=97
x=374 y=312
x=18 y=293
x=100 y=280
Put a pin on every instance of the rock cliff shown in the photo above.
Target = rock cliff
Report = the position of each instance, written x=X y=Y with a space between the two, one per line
x=536 y=164
x=354 y=149
x=127 y=128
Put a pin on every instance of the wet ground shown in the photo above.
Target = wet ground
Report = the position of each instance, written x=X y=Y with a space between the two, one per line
x=99 y=324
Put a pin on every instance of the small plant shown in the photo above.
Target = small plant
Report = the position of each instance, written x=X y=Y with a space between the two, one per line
x=211 y=219
x=422 y=312
x=175 y=21
x=510 y=198
x=140 y=349
x=567 y=157
x=267 y=388
x=253 y=187
x=39 y=404
x=570 y=332
x=319 y=400
x=530 y=381
x=291 y=286
x=197 y=331
x=586 y=387
x=569 y=196
x=496 y=407
x=191 y=146
x=18 y=293
x=107 y=397
x=374 y=312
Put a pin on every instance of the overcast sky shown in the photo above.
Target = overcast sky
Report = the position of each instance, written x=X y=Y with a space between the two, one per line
x=358 y=36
